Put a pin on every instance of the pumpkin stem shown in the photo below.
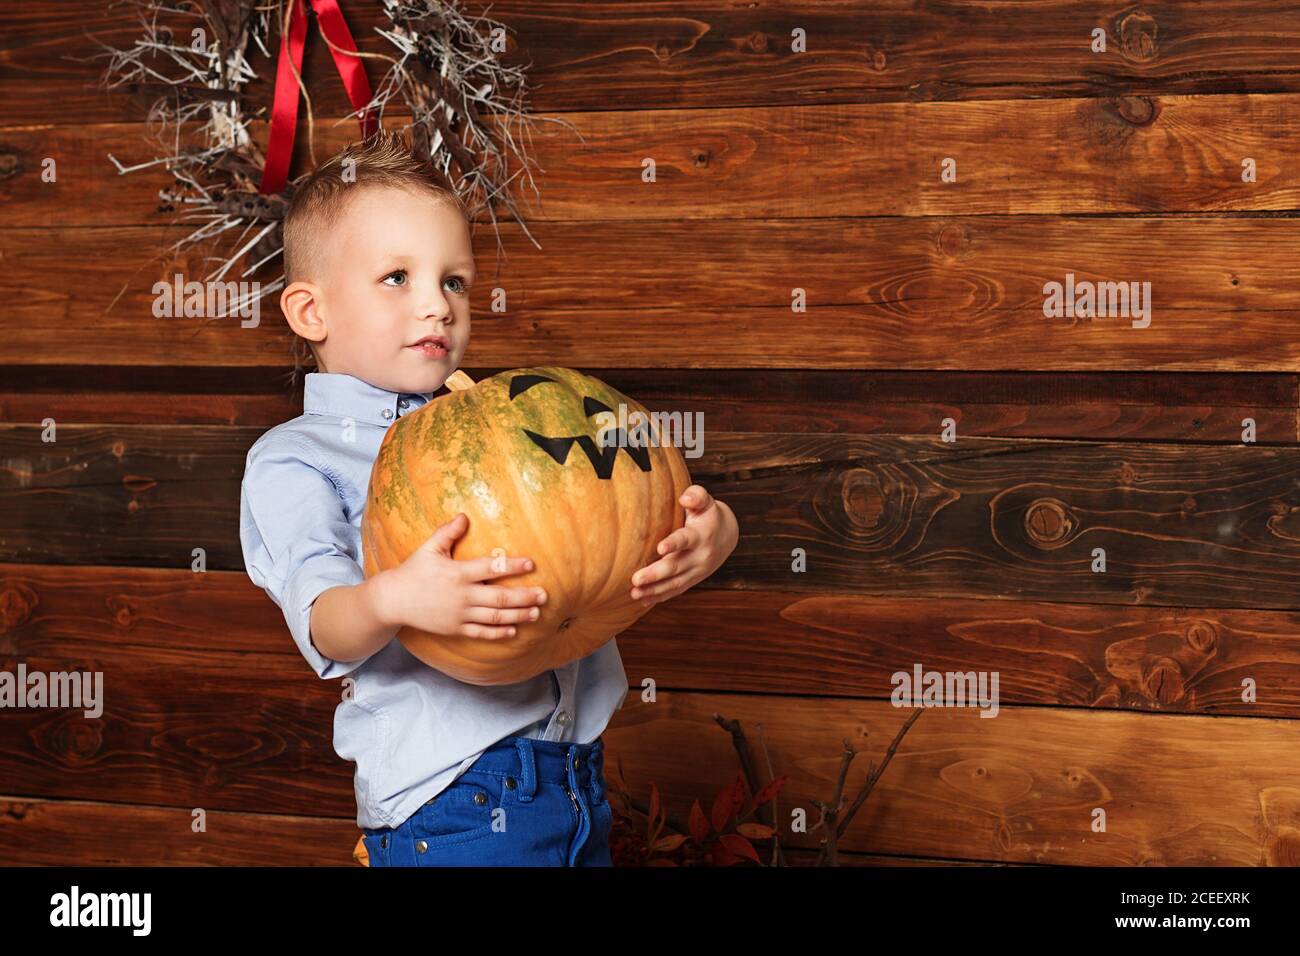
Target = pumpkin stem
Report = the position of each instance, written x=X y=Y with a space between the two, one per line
x=458 y=381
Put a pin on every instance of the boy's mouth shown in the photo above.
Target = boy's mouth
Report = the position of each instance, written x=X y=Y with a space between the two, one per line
x=433 y=346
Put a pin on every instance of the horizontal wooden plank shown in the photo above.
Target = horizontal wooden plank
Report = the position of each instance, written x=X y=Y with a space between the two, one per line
x=1191 y=660
x=1058 y=156
x=35 y=832
x=1024 y=786
x=1177 y=524
x=226 y=732
x=891 y=293
x=1180 y=525
x=1187 y=406
x=598 y=56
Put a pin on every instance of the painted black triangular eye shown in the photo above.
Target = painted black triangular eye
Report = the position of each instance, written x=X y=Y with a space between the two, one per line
x=590 y=406
x=522 y=383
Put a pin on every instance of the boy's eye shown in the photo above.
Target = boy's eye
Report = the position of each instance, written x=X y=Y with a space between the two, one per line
x=399 y=272
x=460 y=283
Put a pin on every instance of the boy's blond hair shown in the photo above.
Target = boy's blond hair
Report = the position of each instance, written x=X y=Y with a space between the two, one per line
x=384 y=159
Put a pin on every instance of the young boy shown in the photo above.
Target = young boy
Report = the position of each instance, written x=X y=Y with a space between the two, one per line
x=378 y=269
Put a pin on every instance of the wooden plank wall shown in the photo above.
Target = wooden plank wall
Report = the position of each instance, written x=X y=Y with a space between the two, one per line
x=775 y=170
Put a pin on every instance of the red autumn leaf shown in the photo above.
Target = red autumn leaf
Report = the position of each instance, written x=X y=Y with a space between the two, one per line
x=722 y=856
x=739 y=846
x=755 y=831
x=766 y=793
x=699 y=822
x=669 y=843
x=721 y=809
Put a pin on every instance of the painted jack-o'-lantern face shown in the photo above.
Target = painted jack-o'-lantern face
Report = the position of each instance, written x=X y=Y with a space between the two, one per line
x=524 y=455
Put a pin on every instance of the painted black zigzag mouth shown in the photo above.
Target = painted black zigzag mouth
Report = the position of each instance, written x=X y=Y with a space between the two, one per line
x=602 y=459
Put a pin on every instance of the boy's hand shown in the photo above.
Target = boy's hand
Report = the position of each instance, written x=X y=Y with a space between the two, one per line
x=690 y=554
x=434 y=592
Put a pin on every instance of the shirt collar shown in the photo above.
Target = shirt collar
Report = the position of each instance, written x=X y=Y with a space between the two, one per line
x=344 y=395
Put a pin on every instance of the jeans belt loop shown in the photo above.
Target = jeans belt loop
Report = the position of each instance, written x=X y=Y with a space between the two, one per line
x=527 y=770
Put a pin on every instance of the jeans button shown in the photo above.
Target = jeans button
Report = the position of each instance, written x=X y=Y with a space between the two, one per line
x=421 y=846
x=577 y=762
x=383 y=843
x=510 y=783
x=480 y=798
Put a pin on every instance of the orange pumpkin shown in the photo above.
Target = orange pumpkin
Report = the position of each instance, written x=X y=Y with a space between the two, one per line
x=521 y=454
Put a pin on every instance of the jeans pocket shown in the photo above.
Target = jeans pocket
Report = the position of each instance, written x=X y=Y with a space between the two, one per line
x=468 y=809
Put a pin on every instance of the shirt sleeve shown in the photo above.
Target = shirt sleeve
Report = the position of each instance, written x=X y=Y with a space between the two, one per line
x=297 y=540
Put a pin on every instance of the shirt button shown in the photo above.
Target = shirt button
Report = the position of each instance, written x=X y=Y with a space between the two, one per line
x=564 y=717
x=387 y=413
x=421 y=846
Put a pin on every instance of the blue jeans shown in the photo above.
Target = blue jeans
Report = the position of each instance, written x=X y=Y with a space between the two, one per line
x=524 y=802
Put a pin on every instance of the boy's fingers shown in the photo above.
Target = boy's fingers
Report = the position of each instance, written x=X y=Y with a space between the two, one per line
x=660 y=588
x=485 y=632
x=658 y=573
x=491 y=596
x=679 y=539
x=663 y=568
x=446 y=534
x=501 y=616
x=695 y=498
x=484 y=569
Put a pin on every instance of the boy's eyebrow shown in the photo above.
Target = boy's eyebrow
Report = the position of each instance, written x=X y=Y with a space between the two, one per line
x=467 y=264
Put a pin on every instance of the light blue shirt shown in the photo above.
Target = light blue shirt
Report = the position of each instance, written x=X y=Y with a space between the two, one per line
x=410 y=729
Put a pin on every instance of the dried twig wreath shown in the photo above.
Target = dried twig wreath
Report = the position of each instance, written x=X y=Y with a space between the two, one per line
x=197 y=57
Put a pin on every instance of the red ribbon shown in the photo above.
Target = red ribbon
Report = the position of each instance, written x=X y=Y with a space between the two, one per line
x=284 y=111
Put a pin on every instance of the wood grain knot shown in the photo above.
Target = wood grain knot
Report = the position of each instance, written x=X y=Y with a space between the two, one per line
x=701 y=157
x=1048 y=522
x=1138 y=110
x=864 y=499
x=1163 y=681
x=758 y=41
x=1202 y=636
x=878 y=60
x=9 y=164
x=77 y=739
x=119 y=607
x=16 y=603
x=953 y=241
x=1137 y=37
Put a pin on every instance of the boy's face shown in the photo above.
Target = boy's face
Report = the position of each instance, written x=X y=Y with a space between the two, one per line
x=398 y=268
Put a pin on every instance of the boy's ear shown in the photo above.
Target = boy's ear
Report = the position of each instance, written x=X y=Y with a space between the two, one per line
x=300 y=303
